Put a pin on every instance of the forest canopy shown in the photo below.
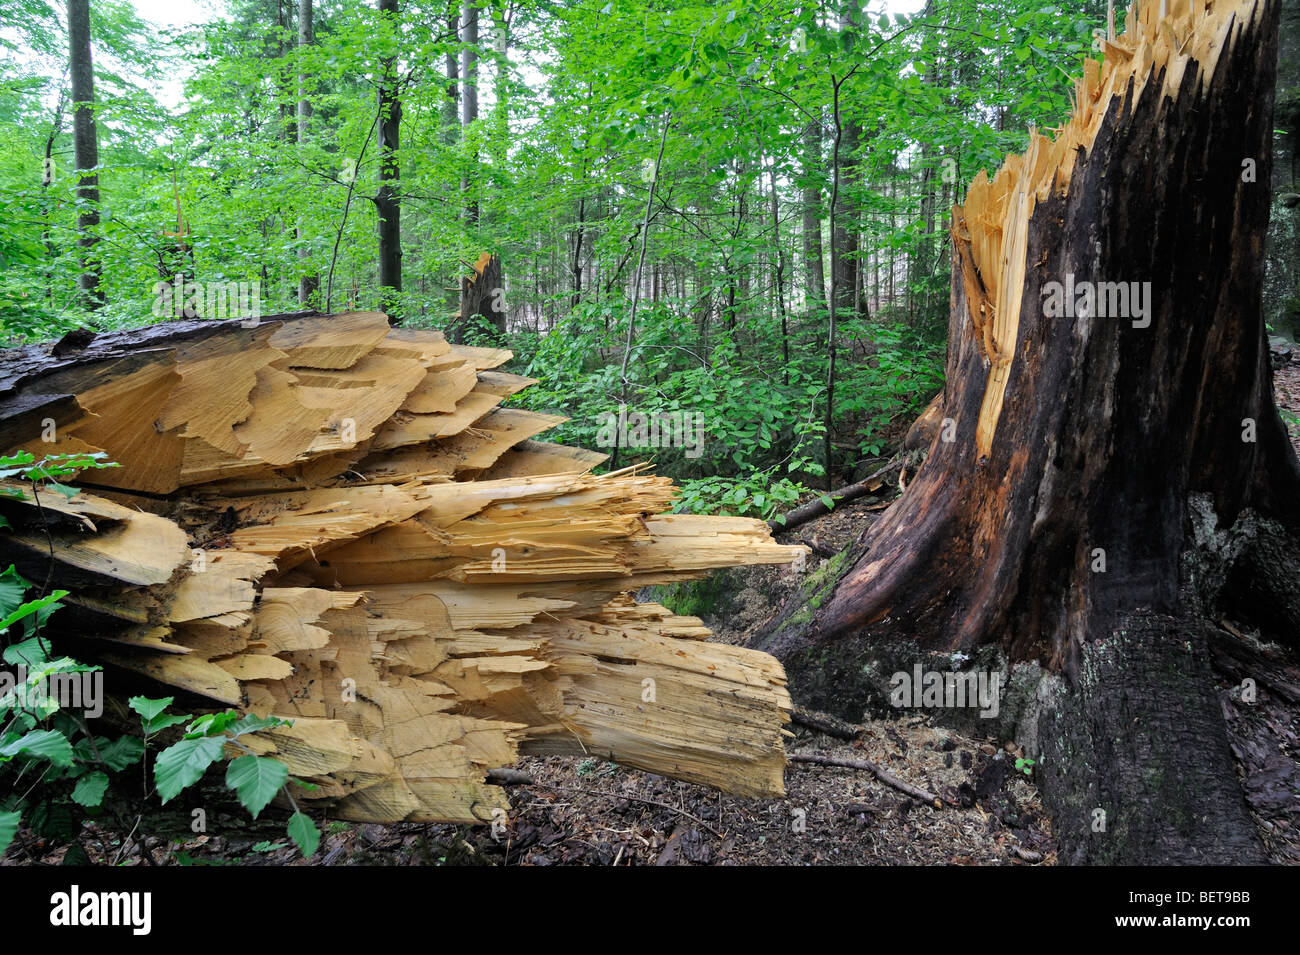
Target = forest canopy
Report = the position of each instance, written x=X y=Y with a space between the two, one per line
x=656 y=179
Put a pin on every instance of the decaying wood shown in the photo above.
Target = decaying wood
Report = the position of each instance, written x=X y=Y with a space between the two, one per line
x=824 y=723
x=330 y=520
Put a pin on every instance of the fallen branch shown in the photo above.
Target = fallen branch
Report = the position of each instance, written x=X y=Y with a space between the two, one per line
x=889 y=779
x=824 y=723
x=817 y=507
x=509 y=777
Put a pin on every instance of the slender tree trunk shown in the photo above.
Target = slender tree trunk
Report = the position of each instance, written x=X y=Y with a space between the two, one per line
x=47 y=210
x=575 y=267
x=832 y=299
x=86 y=151
x=451 y=103
x=1106 y=483
x=309 y=281
x=779 y=280
x=812 y=215
x=844 y=238
x=500 y=82
x=469 y=104
x=387 y=201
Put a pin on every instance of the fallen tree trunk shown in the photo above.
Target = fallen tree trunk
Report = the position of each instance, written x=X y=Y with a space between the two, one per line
x=817 y=507
x=1112 y=458
x=327 y=519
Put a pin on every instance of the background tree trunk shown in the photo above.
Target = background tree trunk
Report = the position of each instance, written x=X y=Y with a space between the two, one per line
x=86 y=150
x=844 y=240
x=1097 y=524
x=469 y=104
x=387 y=201
x=812 y=215
x=309 y=281
x=451 y=104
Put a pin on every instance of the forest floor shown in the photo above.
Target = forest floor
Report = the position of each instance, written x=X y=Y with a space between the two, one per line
x=1286 y=387
x=589 y=811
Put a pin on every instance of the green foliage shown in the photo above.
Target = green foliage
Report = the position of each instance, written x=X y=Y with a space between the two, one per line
x=759 y=494
x=303 y=832
x=256 y=779
x=576 y=109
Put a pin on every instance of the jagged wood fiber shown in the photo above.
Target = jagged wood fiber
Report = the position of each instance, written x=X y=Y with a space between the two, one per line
x=337 y=522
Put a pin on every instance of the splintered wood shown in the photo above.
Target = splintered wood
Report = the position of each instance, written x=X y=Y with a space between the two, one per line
x=1163 y=42
x=334 y=522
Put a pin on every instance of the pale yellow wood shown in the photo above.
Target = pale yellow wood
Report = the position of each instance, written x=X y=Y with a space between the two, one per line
x=427 y=602
x=335 y=341
x=1158 y=40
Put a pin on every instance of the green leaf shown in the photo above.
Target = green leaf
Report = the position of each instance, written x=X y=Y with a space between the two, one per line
x=164 y=721
x=29 y=652
x=12 y=588
x=304 y=833
x=148 y=708
x=152 y=716
x=41 y=744
x=256 y=779
x=65 y=490
x=211 y=724
x=252 y=723
x=183 y=764
x=122 y=752
x=90 y=789
x=75 y=856
x=8 y=829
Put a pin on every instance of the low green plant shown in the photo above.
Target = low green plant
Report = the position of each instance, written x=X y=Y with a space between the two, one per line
x=759 y=495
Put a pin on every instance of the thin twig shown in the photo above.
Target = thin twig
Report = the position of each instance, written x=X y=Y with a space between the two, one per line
x=888 y=778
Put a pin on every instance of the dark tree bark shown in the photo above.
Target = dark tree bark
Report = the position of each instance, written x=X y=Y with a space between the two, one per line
x=451 y=104
x=481 y=296
x=469 y=102
x=1105 y=517
x=387 y=200
x=575 y=266
x=309 y=281
x=284 y=12
x=86 y=150
x=47 y=180
x=844 y=237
